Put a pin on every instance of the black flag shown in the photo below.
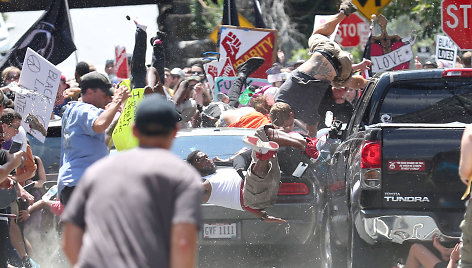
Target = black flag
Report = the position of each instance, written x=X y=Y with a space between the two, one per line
x=258 y=14
x=367 y=73
x=50 y=36
x=230 y=13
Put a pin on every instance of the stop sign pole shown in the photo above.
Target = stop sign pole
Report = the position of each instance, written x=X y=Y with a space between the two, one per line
x=456 y=21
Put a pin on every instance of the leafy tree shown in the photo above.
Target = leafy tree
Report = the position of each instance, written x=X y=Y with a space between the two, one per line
x=426 y=13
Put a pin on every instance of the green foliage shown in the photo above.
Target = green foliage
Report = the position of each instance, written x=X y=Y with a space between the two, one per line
x=206 y=18
x=300 y=54
x=425 y=13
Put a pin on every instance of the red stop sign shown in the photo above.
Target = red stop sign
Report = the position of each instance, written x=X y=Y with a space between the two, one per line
x=350 y=31
x=456 y=21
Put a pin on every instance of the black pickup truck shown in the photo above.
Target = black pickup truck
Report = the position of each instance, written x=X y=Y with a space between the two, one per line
x=393 y=178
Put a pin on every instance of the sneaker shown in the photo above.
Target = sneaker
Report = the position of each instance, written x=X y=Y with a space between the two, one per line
x=347 y=7
x=248 y=67
x=264 y=150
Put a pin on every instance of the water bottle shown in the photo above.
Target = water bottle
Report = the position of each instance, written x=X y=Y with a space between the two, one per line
x=50 y=193
x=246 y=96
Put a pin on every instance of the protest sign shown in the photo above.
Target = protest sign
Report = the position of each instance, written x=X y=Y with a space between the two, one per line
x=322 y=19
x=390 y=52
x=223 y=84
x=446 y=51
x=40 y=79
x=122 y=135
x=238 y=44
x=121 y=59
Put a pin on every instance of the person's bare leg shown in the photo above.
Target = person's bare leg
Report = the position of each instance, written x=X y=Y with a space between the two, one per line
x=17 y=239
x=329 y=26
x=419 y=256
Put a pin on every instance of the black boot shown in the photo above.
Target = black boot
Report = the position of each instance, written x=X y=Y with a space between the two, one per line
x=248 y=67
x=347 y=7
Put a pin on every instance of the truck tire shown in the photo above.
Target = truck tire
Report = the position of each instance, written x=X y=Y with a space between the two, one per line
x=332 y=254
x=362 y=254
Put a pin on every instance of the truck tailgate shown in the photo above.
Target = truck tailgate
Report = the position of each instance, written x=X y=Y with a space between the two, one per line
x=420 y=168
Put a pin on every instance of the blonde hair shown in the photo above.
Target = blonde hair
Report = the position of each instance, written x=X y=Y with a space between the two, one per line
x=9 y=69
x=280 y=113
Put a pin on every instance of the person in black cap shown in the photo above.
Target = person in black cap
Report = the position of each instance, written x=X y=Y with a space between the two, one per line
x=143 y=203
x=83 y=129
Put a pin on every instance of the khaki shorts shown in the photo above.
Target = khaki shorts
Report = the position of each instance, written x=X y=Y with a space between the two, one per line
x=261 y=192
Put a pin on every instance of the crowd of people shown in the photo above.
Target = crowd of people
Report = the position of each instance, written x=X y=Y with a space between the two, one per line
x=107 y=223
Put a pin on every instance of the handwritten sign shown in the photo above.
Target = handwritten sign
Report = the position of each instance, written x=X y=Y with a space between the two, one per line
x=390 y=60
x=446 y=51
x=41 y=79
x=223 y=84
x=122 y=135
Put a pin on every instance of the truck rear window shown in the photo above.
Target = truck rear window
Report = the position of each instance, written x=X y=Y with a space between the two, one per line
x=441 y=101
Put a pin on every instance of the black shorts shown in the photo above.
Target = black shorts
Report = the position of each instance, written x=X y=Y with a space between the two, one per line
x=304 y=94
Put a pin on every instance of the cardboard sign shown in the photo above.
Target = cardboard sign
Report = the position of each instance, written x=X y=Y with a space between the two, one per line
x=121 y=59
x=403 y=54
x=122 y=135
x=238 y=44
x=41 y=79
x=390 y=52
x=446 y=51
x=223 y=84
x=218 y=68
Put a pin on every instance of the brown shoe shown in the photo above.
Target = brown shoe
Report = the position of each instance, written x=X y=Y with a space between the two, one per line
x=347 y=7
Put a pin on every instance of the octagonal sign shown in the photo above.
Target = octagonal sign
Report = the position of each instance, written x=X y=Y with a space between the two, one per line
x=456 y=21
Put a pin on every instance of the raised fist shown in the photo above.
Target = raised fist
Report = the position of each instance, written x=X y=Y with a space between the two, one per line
x=213 y=71
x=231 y=44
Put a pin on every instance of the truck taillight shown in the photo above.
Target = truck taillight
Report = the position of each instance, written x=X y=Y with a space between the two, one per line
x=466 y=72
x=371 y=163
x=296 y=188
x=371 y=155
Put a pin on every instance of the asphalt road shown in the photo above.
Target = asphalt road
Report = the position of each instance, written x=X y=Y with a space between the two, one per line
x=258 y=257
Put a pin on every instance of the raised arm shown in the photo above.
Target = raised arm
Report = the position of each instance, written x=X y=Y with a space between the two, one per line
x=104 y=119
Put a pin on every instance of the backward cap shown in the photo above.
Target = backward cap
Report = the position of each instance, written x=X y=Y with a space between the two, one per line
x=96 y=80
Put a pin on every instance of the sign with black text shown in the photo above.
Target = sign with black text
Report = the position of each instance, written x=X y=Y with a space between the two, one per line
x=40 y=79
x=446 y=51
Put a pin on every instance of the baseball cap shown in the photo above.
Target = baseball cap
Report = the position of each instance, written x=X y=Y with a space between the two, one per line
x=177 y=71
x=96 y=80
x=155 y=115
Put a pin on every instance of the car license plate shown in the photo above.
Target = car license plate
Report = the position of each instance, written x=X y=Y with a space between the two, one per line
x=220 y=230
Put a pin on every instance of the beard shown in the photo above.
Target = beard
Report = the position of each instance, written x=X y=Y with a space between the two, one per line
x=207 y=171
